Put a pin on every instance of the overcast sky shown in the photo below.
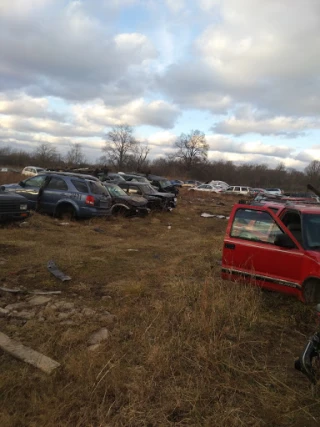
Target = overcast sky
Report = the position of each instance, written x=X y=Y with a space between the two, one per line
x=244 y=72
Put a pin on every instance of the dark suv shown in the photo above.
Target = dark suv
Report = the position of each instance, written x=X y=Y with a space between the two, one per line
x=64 y=194
x=156 y=200
x=13 y=206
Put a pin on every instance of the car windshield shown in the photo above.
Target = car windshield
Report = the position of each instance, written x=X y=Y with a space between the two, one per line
x=116 y=191
x=311 y=227
x=148 y=189
x=165 y=183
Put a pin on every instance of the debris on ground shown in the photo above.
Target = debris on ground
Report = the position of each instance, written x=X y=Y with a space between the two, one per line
x=98 y=230
x=98 y=336
x=26 y=354
x=24 y=291
x=56 y=272
x=208 y=215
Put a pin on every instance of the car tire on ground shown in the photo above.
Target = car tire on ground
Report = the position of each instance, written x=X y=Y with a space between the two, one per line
x=311 y=291
x=120 y=211
x=66 y=212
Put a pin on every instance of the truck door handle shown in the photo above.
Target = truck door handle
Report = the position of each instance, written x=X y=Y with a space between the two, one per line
x=229 y=245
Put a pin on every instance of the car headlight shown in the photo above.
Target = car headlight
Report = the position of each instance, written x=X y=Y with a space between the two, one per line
x=23 y=207
x=175 y=199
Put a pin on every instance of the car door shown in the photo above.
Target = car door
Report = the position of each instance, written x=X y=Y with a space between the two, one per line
x=29 y=188
x=54 y=189
x=249 y=252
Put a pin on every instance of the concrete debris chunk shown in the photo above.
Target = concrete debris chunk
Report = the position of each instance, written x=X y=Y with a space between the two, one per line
x=93 y=347
x=99 y=336
x=15 y=306
x=24 y=315
x=39 y=300
x=26 y=354
x=3 y=312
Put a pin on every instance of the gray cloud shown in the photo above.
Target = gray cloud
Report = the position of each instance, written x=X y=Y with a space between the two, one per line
x=69 y=54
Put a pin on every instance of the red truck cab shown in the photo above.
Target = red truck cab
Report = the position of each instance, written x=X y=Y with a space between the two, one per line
x=275 y=246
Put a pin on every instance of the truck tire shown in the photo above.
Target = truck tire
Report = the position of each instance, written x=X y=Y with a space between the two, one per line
x=311 y=291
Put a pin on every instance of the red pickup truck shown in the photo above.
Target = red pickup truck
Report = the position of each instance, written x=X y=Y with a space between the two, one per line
x=275 y=246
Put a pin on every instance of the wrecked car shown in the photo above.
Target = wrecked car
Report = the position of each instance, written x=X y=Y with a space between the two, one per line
x=125 y=205
x=163 y=185
x=156 y=200
x=13 y=207
x=276 y=247
x=64 y=194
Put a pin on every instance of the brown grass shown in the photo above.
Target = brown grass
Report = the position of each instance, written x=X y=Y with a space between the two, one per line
x=186 y=349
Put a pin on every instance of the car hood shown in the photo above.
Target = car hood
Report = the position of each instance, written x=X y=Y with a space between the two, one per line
x=132 y=200
x=10 y=187
x=7 y=196
x=163 y=195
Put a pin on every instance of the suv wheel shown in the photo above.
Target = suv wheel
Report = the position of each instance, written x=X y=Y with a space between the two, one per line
x=66 y=212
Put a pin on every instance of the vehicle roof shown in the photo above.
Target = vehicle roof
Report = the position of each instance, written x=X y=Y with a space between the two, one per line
x=299 y=206
x=71 y=174
x=110 y=184
x=134 y=183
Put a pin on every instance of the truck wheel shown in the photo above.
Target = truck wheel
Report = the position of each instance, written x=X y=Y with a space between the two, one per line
x=66 y=212
x=311 y=291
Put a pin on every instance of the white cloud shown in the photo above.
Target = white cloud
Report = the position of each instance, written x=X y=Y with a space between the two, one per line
x=138 y=112
x=227 y=145
x=278 y=125
x=23 y=105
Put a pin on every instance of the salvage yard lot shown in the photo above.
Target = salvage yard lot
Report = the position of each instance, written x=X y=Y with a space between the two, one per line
x=184 y=348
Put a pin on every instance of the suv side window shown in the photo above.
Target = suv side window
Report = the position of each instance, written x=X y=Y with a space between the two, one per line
x=81 y=186
x=35 y=181
x=57 y=184
x=255 y=225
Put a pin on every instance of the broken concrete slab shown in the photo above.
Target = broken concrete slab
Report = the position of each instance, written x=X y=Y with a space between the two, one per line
x=39 y=300
x=26 y=354
x=99 y=336
x=15 y=306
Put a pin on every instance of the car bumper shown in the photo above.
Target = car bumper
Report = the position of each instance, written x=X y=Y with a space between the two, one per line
x=89 y=212
x=11 y=216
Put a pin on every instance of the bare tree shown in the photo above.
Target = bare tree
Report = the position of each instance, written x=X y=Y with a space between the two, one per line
x=120 y=145
x=46 y=155
x=138 y=161
x=75 y=156
x=312 y=172
x=192 y=148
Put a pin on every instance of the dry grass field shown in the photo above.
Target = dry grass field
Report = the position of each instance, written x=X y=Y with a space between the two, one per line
x=184 y=348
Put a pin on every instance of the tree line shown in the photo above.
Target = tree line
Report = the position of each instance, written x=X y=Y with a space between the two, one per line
x=188 y=160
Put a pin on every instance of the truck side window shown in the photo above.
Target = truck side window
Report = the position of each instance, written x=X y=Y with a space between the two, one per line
x=254 y=225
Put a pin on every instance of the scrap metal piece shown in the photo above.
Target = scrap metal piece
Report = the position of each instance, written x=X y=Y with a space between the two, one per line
x=56 y=272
